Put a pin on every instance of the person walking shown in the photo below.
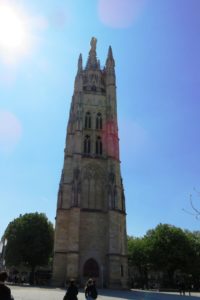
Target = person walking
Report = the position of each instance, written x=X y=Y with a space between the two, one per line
x=5 y=292
x=90 y=290
x=72 y=291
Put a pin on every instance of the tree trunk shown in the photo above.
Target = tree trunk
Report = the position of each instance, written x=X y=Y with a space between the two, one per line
x=32 y=276
x=171 y=277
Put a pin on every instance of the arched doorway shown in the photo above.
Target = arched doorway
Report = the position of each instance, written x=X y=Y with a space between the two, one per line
x=91 y=268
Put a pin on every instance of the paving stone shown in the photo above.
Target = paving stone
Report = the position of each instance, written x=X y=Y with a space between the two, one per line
x=37 y=293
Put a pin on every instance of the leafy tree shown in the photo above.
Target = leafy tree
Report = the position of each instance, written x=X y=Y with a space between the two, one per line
x=30 y=241
x=194 y=263
x=169 y=249
x=137 y=257
x=166 y=249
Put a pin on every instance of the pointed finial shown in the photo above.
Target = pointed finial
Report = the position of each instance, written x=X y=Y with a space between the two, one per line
x=92 y=58
x=93 y=44
x=99 y=64
x=110 y=62
x=80 y=63
x=110 y=54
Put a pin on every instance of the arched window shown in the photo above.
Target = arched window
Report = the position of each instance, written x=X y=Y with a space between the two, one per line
x=115 y=198
x=91 y=268
x=87 y=144
x=93 y=88
x=98 y=145
x=122 y=271
x=88 y=120
x=99 y=121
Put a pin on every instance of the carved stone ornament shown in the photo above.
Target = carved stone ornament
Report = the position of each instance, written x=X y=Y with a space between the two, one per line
x=93 y=44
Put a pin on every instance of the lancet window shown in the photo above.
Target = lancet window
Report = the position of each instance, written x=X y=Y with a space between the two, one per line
x=88 y=120
x=98 y=145
x=99 y=121
x=122 y=271
x=87 y=144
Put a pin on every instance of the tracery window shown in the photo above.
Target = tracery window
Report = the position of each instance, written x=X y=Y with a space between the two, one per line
x=98 y=145
x=99 y=121
x=87 y=144
x=88 y=120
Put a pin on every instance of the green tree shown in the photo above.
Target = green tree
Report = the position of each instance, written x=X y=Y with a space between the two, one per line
x=137 y=258
x=169 y=249
x=30 y=241
x=194 y=263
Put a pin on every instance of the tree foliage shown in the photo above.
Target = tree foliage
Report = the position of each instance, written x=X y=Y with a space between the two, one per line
x=30 y=240
x=169 y=248
x=166 y=249
x=194 y=261
x=137 y=257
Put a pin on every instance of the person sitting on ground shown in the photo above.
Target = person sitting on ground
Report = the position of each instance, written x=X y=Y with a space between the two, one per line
x=72 y=291
x=5 y=292
x=90 y=290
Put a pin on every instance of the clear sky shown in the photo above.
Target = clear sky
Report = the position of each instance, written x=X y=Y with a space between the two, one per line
x=156 y=46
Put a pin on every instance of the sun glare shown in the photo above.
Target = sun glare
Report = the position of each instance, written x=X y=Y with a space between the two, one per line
x=13 y=32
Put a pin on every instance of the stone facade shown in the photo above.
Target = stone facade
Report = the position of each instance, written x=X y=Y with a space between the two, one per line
x=90 y=233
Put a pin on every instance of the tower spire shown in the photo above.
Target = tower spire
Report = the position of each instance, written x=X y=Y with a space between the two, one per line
x=110 y=62
x=78 y=78
x=92 y=62
x=110 y=54
x=80 y=63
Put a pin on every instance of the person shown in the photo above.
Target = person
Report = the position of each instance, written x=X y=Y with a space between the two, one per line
x=181 y=287
x=190 y=288
x=5 y=292
x=90 y=290
x=72 y=291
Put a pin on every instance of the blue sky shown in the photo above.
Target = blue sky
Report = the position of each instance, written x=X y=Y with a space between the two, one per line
x=156 y=48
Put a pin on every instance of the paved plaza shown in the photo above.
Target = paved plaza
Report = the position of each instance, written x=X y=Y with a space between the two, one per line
x=36 y=293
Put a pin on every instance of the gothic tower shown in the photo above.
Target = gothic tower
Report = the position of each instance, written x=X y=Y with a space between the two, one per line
x=90 y=233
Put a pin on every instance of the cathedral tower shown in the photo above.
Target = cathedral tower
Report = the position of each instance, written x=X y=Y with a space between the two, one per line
x=90 y=233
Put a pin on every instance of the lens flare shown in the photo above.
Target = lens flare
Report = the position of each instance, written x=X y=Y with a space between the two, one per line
x=119 y=13
x=14 y=33
x=10 y=131
x=12 y=29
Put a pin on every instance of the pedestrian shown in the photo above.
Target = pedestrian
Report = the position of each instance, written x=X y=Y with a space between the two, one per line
x=182 y=288
x=72 y=291
x=190 y=286
x=90 y=290
x=5 y=292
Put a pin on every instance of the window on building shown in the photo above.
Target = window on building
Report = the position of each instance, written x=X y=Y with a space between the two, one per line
x=98 y=145
x=122 y=271
x=99 y=121
x=116 y=197
x=93 y=88
x=88 y=120
x=87 y=144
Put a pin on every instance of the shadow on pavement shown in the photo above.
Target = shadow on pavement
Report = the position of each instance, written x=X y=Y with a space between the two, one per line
x=141 y=295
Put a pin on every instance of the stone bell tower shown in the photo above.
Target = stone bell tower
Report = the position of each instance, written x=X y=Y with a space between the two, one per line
x=90 y=232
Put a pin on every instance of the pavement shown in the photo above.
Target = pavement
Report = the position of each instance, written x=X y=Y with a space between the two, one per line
x=37 y=293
